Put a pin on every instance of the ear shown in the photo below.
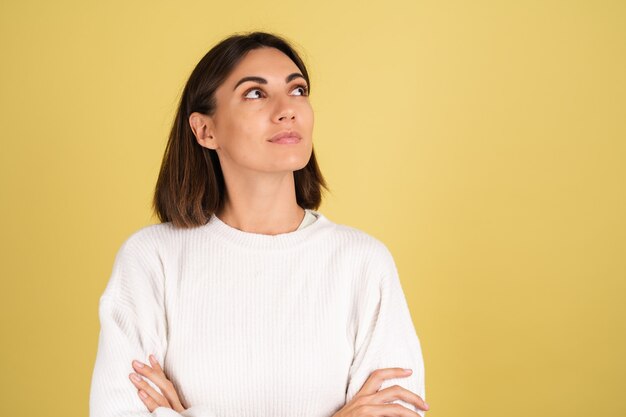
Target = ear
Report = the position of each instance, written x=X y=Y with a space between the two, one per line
x=203 y=129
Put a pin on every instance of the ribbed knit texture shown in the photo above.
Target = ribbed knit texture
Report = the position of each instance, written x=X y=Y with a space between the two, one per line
x=253 y=325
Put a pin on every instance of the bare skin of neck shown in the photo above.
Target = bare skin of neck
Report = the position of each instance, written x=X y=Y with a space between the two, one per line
x=261 y=204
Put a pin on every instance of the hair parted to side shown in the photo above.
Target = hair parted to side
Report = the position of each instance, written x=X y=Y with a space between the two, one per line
x=191 y=187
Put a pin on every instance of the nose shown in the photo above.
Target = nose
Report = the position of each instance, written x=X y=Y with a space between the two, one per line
x=285 y=111
x=287 y=116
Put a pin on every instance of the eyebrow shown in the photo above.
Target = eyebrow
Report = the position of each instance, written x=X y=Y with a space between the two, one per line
x=262 y=80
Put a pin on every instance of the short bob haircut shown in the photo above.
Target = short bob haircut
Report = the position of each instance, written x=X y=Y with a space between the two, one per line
x=191 y=187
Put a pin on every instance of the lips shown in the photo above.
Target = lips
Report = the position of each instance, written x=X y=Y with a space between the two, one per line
x=286 y=137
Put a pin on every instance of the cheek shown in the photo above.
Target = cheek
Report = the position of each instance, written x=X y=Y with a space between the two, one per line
x=239 y=128
x=307 y=117
x=252 y=125
x=242 y=138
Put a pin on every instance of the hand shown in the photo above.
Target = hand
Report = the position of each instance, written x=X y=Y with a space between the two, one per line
x=150 y=397
x=371 y=402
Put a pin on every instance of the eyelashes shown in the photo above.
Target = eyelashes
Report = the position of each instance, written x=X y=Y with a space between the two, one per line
x=303 y=87
x=245 y=95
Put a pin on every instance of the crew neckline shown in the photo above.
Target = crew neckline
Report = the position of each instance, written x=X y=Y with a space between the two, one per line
x=263 y=241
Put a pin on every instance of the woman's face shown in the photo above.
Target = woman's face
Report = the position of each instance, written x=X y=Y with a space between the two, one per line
x=264 y=96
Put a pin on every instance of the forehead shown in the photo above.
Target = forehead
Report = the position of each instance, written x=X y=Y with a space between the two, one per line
x=264 y=62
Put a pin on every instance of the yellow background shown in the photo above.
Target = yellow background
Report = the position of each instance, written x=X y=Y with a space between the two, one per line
x=483 y=142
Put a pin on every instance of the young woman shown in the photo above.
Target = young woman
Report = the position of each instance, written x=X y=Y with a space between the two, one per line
x=255 y=303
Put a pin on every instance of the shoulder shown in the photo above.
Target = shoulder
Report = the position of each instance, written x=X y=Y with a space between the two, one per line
x=149 y=236
x=149 y=244
x=354 y=239
x=371 y=261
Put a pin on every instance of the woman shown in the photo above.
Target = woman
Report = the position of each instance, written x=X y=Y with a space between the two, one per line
x=254 y=302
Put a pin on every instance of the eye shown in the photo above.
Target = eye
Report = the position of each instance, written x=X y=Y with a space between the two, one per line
x=253 y=93
x=304 y=91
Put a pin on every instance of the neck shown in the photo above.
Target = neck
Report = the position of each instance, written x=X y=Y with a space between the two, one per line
x=266 y=207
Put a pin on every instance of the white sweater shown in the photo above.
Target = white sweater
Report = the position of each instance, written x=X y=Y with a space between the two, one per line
x=251 y=325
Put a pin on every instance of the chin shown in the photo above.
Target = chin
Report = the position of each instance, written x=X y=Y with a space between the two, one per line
x=291 y=165
x=290 y=158
x=296 y=167
x=293 y=161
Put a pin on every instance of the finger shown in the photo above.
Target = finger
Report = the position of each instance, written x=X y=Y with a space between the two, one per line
x=168 y=388
x=148 y=401
x=146 y=371
x=397 y=392
x=376 y=379
x=155 y=364
x=389 y=410
x=143 y=385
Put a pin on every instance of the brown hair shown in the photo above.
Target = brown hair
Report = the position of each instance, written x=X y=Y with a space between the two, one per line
x=191 y=187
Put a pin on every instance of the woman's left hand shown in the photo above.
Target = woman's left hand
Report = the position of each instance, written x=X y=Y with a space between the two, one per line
x=150 y=397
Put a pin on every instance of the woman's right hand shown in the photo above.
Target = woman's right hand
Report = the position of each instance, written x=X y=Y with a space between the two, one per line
x=369 y=401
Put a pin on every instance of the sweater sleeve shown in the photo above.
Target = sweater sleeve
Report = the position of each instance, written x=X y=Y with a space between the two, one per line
x=385 y=335
x=132 y=325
